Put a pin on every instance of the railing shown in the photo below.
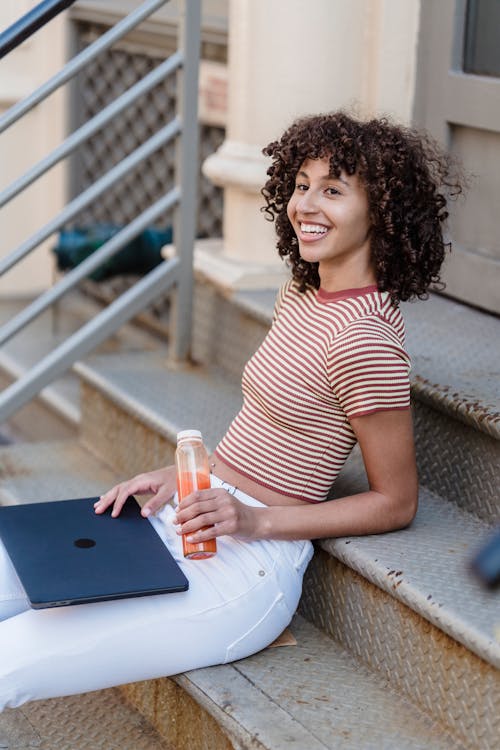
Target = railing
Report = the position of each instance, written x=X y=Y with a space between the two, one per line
x=31 y=22
x=176 y=273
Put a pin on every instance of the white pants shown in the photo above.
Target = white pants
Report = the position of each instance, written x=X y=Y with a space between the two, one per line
x=238 y=602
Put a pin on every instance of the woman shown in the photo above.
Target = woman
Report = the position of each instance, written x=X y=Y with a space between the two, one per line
x=359 y=210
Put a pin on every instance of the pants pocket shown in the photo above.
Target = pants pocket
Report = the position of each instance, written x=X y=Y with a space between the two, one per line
x=263 y=632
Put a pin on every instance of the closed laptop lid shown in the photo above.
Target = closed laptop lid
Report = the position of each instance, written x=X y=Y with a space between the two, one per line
x=65 y=553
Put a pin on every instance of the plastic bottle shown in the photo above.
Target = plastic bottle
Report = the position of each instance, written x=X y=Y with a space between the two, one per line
x=193 y=473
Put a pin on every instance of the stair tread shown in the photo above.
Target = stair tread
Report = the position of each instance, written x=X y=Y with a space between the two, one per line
x=334 y=700
x=55 y=470
x=313 y=695
x=94 y=721
x=166 y=399
x=426 y=566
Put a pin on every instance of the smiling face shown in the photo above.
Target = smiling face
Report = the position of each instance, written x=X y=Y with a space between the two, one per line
x=330 y=218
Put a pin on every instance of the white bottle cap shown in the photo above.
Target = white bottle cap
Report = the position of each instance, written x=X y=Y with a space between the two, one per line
x=186 y=434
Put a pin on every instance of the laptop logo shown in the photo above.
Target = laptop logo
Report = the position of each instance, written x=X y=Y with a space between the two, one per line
x=84 y=543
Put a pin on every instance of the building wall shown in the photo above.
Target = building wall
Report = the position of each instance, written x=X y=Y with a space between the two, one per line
x=286 y=58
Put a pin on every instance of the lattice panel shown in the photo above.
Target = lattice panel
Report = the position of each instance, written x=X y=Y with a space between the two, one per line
x=112 y=73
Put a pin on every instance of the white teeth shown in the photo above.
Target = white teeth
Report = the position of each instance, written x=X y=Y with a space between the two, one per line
x=313 y=228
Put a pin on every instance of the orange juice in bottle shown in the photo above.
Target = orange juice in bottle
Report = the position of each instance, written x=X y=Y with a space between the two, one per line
x=193 y=473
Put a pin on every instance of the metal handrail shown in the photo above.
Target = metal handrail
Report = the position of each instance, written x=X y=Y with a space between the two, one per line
x=160 y=138
x=91 y=126
x=26 y=26
x=176 y=273
x=90 y=264
x=93 y=333
x=81 y=60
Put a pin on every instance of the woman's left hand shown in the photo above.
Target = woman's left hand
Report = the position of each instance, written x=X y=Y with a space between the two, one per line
x=218 y=513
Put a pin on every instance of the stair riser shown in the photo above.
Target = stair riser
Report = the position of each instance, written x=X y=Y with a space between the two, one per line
x=224 y=335
x=120 y=439
x=37 y=421
x=446 y=680
x=458 y=462
x=177 y=717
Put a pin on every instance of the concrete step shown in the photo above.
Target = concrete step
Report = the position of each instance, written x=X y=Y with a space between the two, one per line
x=455 y=382
x=417 y=614
x=95 y=721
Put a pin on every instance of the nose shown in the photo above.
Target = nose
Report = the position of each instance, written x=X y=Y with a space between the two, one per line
x=307 y=203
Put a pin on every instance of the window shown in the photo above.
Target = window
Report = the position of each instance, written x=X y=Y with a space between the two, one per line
x=482 y=38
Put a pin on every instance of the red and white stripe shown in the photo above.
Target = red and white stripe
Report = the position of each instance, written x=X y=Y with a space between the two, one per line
x=327 y=358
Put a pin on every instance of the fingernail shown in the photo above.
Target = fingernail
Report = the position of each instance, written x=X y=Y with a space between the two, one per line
x=146 y=512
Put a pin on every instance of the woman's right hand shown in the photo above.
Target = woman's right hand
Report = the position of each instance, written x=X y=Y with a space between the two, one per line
x=160 y=483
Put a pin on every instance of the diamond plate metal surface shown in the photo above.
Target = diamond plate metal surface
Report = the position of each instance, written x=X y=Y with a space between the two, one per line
x=458 y=462
x=455 y=352
x=416 y=658
x=426 y=566
x=94 y=721
x=339 y=701
x=133 y=407
x=313 y=695
x=225 y=335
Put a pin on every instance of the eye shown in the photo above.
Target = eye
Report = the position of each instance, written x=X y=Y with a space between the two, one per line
x=332 y=191
x=301 y=187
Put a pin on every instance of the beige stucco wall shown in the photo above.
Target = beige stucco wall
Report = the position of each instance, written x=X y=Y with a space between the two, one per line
x=26 y=142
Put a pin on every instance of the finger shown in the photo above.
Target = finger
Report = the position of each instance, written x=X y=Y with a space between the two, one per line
x=195 y=524
x=209 y=532
x=198 y=512
x=157 y=502
x=116 y=499
x=117 y=495
x=202 y=501
x=213 y=493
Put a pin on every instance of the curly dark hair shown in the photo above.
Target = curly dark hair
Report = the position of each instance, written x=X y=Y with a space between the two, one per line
x=408 y=180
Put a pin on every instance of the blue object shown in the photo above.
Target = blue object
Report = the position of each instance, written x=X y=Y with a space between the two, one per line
x=138 y=257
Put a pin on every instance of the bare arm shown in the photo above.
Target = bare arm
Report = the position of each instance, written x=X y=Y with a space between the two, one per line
x=386 y=442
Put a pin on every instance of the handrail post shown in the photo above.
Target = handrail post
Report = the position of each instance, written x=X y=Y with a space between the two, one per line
x=187 y=176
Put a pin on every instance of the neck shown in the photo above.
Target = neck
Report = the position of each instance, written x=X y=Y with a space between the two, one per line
x=340 y=279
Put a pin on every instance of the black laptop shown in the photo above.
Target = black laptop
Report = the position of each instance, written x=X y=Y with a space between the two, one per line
x=64 y=553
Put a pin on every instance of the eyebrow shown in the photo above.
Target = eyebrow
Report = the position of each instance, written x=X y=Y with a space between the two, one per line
x=325 y=178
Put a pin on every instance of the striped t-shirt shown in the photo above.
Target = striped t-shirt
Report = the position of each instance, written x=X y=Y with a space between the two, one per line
x=328 y=356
